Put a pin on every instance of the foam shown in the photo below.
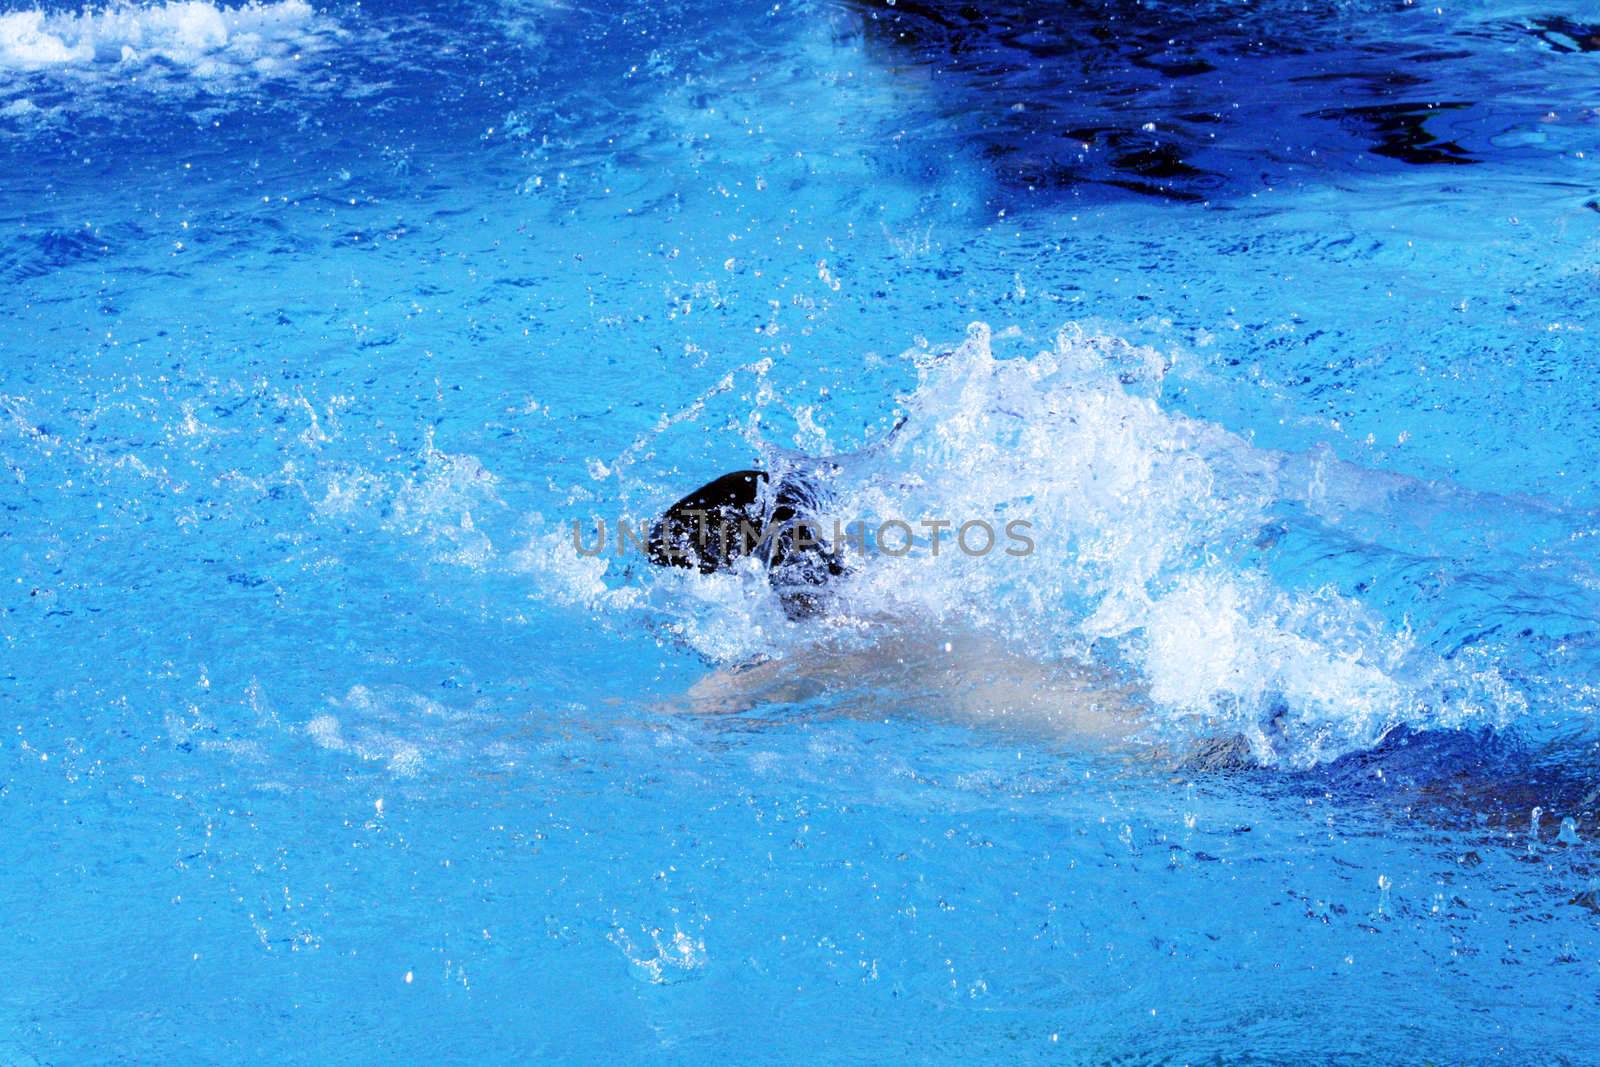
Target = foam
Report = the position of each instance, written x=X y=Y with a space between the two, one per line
x=204 y=39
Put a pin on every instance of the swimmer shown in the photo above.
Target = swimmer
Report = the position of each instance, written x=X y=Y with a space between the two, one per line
x=905 y=666
x=888 y=667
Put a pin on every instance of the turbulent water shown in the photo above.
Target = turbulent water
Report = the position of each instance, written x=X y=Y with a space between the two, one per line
x=323 y=323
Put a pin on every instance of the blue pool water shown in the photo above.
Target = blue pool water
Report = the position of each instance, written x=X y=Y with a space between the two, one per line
x=323 y=321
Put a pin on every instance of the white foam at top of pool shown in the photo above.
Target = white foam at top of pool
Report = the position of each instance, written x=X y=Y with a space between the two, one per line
x=204 y=38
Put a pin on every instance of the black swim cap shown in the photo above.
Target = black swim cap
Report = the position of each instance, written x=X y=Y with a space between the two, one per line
x=737 y=515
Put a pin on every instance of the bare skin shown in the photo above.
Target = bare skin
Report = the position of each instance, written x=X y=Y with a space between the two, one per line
x=894 y=670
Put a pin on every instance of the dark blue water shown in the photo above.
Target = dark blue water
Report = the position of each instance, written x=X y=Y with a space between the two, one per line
x=322 y=322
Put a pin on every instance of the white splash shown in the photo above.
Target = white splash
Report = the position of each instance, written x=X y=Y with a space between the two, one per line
x=1146 y=521
x=432 y=505
x=393 y=726
x=209 y=41
x=669 y=957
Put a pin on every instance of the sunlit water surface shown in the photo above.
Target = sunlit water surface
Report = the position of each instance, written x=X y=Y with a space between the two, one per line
x=322 y=322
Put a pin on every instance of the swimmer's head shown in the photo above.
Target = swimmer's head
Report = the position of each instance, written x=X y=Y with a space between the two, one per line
x=744 y=514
